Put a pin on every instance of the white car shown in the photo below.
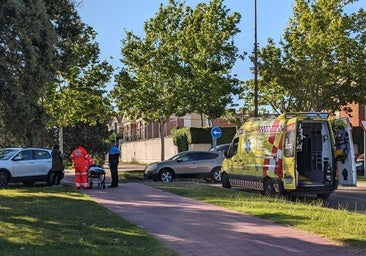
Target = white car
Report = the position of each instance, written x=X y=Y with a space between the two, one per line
x=26 y=165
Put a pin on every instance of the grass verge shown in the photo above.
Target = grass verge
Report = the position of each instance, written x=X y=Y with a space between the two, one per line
x=62 y=221
x=343 y=227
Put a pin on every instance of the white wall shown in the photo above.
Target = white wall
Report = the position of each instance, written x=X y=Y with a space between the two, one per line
x=148 y=151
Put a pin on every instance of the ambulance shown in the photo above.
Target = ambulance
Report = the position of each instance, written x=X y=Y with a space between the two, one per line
x=293 y=154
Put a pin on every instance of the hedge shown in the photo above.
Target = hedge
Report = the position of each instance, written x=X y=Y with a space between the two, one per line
x=182 y=137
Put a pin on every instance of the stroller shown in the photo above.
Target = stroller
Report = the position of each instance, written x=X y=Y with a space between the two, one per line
x=96 y=175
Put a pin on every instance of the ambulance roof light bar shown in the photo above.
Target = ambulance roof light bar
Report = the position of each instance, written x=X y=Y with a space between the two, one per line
x=309 y=115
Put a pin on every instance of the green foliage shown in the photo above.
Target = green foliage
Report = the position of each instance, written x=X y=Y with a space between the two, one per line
x=227 y=136
x=31 y=46
x=203 y=135
x=94 y=138
x=182 y=65
x=79 y=94
x=200 y=135
x=208 y=54
x=51 y=74
x=113 y=136
x=181 y=138
x=196 y=135
x=320 y=62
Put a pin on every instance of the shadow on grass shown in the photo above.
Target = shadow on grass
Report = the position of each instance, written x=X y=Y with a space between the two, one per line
x=44 y=220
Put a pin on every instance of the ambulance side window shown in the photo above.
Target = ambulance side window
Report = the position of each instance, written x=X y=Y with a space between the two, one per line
x=289 y=144
x=233 y=149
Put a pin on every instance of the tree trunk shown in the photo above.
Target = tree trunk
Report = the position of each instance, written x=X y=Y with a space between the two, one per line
x=61 y=138
x=161 y=131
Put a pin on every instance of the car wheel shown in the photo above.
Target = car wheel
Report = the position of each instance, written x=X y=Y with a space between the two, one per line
x=216 y=174
x=268 y=188
x=50 y=177
x=225 y=180
x=166 y=176
x=4 y=179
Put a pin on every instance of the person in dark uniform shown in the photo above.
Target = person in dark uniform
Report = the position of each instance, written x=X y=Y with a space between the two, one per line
x=113 y=159
x=57 y=165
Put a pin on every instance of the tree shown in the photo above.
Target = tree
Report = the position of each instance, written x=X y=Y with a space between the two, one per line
x=321 y=62
x=147 y=88
x=79 y=94
x=31 y=45
x=208 y=54
x=173 y=71
x=26 y=49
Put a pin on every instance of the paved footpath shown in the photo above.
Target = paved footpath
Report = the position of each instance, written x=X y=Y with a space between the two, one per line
x=194 y=228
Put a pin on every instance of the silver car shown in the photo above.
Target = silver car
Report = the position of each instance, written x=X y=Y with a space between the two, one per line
x=187 y=164
x=26 y=165
x=222 y=148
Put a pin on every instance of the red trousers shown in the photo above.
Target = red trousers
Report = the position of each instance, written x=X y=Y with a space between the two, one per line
x=81 y=178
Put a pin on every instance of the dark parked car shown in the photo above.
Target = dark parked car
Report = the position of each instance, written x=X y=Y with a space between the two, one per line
x=187 y=164
x=26 y=165
x=222 y=148
x=360 y=169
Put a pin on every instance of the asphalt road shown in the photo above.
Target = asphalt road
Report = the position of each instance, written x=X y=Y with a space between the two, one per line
x=350 y=198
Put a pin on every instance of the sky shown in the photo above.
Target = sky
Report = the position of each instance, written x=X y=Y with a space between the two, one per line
x=111 y=18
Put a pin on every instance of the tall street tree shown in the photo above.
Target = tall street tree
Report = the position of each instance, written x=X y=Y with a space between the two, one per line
x=79 y=94
x=208 y=54
x=321 y=62
x=32 y=34
x=180 y=66
x=147 y=85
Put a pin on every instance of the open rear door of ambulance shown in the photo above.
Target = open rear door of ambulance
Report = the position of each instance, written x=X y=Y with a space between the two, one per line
x=345 y=154
x=290 y=177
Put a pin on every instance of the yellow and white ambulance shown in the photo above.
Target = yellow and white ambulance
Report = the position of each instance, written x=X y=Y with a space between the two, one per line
x=292 y=154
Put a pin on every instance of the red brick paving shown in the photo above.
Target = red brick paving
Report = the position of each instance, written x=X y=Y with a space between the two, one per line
x=194 y=228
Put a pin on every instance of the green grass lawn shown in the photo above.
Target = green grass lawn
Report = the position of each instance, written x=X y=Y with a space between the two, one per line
x=361 y=180
x=62 y=221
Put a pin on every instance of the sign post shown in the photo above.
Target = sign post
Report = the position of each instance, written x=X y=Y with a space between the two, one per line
x=215 y=134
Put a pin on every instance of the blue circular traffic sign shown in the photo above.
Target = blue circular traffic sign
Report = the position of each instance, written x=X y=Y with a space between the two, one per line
x=216 y=132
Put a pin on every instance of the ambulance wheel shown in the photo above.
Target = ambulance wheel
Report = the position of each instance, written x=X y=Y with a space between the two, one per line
x=268 y=188
x=225 y=180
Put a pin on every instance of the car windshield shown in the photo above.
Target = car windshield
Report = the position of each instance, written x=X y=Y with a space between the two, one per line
x=222 y=148
x=176 y=156
x=6 y=153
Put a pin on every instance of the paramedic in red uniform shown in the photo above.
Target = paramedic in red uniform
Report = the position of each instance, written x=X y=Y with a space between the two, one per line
x=81 y=161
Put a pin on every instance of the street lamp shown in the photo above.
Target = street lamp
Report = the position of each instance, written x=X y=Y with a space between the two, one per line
x=255 y=62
